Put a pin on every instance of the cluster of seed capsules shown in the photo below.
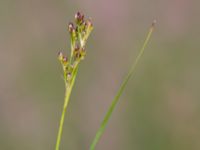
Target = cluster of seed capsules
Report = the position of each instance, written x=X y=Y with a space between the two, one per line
x=79 y=33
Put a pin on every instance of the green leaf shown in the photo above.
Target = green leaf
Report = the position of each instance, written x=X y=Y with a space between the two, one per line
x=119 y=93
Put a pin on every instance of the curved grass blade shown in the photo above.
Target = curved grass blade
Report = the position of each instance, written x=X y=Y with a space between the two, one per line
x=121 y=89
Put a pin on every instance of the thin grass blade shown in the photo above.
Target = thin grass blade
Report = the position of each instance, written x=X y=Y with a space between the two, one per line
x=121 y=89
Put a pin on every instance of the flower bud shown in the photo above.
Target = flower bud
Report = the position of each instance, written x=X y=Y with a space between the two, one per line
x=76 y=50
x=65 y=60
x=68 y=75
x=60 y=56
x=77 y=47
x=71 y=27
x=79 y=18
x=89 y=23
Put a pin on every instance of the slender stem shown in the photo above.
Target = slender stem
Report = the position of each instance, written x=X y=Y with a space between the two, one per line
x=68 y=89
x=119 y=93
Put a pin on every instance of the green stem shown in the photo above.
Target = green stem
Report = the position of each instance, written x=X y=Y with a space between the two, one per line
x=68 y=89
x=119 y=93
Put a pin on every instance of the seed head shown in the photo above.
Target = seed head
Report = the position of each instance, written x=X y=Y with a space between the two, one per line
x=79 y=33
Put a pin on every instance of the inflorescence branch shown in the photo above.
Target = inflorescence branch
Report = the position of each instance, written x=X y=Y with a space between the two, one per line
x=79 y=33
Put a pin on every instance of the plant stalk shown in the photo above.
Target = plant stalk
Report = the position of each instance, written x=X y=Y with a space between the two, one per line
x=121 y=89
x=68 y=90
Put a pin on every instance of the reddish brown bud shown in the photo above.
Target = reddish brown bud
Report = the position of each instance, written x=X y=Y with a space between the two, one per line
x=65 y=58
x=71 y=27
x=79 y=18
x=77 y=47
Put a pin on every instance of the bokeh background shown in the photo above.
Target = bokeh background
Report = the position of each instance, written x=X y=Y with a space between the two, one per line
x=160 y=108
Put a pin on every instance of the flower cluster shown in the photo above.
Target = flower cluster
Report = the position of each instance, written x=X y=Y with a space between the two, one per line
x=79 y=33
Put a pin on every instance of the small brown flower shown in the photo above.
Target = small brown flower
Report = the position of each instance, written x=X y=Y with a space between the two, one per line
x=71 y=27
x=79 y=18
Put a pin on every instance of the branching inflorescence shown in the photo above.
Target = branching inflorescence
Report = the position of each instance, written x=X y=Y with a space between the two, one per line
x=79 y=33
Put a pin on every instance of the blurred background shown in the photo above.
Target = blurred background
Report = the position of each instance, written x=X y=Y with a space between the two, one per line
x=160 y=107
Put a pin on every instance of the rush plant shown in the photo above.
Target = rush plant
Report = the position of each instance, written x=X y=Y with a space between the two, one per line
x=79 y=33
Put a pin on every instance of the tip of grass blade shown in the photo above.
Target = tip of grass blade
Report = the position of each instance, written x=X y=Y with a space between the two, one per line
x=154 y=23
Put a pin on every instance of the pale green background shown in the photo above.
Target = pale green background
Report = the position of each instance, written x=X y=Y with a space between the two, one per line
x=160 y=108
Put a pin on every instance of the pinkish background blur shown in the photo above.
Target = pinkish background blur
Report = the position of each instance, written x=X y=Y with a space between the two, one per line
x=160 y=108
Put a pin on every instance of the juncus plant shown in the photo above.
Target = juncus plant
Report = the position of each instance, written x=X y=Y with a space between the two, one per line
x=79 y=33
